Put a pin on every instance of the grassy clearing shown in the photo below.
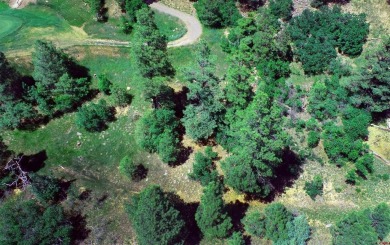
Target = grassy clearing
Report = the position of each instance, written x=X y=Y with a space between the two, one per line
x=92 y=159
x=170 y=26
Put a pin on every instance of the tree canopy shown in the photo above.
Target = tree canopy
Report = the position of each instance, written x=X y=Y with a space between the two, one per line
x=154 y=218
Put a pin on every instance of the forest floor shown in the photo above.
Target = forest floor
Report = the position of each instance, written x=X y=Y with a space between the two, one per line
x=92 y=159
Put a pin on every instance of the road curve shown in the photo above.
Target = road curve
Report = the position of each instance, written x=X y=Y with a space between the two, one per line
x=193 y=26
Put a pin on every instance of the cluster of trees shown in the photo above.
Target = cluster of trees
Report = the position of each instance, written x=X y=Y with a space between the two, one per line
x=14 y=105
x=29 y=222
x=157 y=221
x=278 y=225
x=158 y=130
x=38 y=218
x=130 y=7
x=363 y=227
x=316 y=34
x=56 y=87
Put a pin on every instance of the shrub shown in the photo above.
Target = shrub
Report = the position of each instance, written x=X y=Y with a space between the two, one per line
x=121 y=96
x=313 y=139
x=128 y=167
x=351 y=177
x=94 y=117
x=281 y=8
x=254 y=223
x=315 y=187
x=104 y=84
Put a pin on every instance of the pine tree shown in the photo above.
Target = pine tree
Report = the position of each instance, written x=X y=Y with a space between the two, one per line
x=211 y=215
x=154 y=218
x=277 y=218
x=380 y=218
x=150 y=47
x=257 y=151
x=203 y=113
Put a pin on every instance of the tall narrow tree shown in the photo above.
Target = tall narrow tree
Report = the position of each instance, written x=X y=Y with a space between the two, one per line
x=150 y=47
x=211 y=215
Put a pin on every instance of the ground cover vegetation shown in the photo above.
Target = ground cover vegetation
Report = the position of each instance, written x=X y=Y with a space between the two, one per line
x=243 y=127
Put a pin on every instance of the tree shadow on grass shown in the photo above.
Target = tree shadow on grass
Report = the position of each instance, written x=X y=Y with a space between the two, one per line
x=33 y=163
x=192 y=235
x=80 y=231
x=237 y=212
x=140 y=173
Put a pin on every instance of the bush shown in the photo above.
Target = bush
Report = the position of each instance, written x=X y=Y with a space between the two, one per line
x=351 y=177
x=121 y=96
x=45 y=188
x=313 y=138
x=127 y=167
x=312 y=124
x=104 y=84
x=281 y=8
x=315 y=187
x=217 y=13
x=203 y=168
x=254 y=223
x=94 y=117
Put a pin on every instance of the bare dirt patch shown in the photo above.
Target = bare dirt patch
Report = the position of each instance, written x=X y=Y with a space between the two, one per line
x=20 y=3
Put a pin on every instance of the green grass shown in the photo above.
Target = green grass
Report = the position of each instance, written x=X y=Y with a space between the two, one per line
x=74 y=11
x=9 y=25
x=170 y=26
x=28 y=25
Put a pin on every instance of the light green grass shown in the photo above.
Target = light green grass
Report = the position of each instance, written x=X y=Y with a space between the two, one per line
x=28 y=25
x=9 y=25
x=170 y=26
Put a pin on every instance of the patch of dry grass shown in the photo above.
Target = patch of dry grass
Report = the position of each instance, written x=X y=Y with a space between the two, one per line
x=182 y=5
x=379 y=142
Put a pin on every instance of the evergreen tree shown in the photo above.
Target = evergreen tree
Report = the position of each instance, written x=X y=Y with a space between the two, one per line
x=217 y=13
x=380 y=219
x=132 y=6
x=370 y=86
x=354 y=229
x=25 y=222
x=281 y=8
x=203 y=168
x=13 y=108
x=236 y=239
x=277 y=218
x=203 y=113
x=314 y=187
x=49 y=65
x=157 y=132
x=45 y=188
x=154 y=218
x=298 y=230
x=254 y=223
x=94 y=117
x=150 y=47
x=259 y=142
x=211 y=215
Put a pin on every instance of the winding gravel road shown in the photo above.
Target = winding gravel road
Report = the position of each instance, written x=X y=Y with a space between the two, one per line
x=194 y=28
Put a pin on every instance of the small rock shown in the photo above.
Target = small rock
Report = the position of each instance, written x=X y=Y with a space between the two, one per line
x=79 y=134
